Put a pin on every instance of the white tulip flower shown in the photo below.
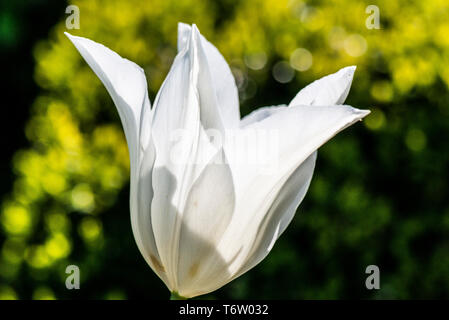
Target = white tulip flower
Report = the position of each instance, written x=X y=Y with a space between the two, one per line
x=199 y=218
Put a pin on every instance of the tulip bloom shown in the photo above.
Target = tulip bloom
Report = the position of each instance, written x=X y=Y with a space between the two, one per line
x=200 y=224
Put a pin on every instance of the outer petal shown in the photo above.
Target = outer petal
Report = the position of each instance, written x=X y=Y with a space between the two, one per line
x=126 y=83
x=302 y=130
x=184 y=107
x=141 y=197
x=280 y=213
x=221 y=77
x=331 y=89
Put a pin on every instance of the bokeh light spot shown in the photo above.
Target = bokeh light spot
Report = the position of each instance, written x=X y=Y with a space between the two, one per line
x=53 y=183
x=282 y=72
x=355 y=45
x=37 y=257
x=90 y=228
x=382 y=91
x=16 y=219
x=416 y=140
x=57 y=246
x=82 y=198
x=336 y=37
x=256 y=61
x=301 y=59
x=375 y=120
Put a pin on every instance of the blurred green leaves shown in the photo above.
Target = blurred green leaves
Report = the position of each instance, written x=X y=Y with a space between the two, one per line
x=379 y=195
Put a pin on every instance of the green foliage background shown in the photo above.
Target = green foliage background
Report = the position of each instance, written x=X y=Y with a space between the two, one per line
x=380 y=190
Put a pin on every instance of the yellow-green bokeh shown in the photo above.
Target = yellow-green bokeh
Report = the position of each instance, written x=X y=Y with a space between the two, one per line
x=77 y=163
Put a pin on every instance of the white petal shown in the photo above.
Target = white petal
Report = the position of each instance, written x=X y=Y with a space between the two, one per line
x=280 y=213
x=175 y=109
x=183 y=35
x=221 y=77
x=126 y=83
x=208 y=211
x=332 y=89
x=329 y=90
x=301 y=131
x=141 y=197
x=184 y=107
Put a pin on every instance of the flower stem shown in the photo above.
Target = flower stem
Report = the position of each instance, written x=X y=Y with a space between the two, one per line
x=175 y=296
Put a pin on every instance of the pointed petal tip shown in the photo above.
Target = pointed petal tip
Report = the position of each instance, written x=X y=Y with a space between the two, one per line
x=68 y=35
x=361 y=113
x=195 y=31
x=352 y=68
x=183 y=26
x=73 y=38
x=195 y=37
x=348 y=71
x=366 y=112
